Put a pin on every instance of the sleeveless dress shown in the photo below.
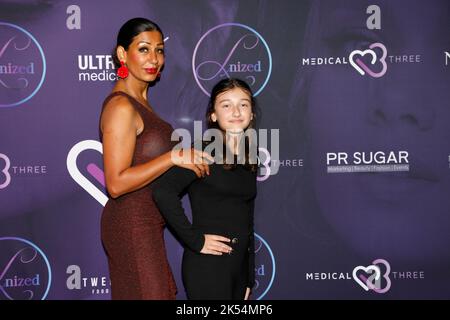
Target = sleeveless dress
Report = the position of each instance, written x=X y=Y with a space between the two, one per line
x=132 y=228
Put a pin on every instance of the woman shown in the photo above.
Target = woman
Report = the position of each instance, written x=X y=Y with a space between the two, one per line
x=136 y=150
x=222 y=203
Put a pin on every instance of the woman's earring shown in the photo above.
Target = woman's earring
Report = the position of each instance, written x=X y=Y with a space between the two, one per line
x=122 y=72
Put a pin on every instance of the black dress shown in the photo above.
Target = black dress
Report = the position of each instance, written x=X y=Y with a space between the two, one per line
x=223 y=204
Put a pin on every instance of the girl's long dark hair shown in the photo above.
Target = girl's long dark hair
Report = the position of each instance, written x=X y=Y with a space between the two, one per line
x=221 y=87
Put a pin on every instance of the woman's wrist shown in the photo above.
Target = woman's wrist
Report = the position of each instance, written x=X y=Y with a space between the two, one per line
x=168 y=159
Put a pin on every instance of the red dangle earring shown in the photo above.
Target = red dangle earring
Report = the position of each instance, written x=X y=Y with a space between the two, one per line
x=158 y=75
x=122 y=72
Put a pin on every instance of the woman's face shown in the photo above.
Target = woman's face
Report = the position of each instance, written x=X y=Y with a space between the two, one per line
x=145 y=56
x=233 y=110
x=399 y=215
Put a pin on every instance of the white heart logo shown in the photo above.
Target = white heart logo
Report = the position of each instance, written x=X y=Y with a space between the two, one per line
x=76 y=174
x=366 y=270
x=362 y=68
x=362 y=53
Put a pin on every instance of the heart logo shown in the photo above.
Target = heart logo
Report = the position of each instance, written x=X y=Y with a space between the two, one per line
x=5 y=171
x=362 y=68
x=373 y=268
x=93 y=169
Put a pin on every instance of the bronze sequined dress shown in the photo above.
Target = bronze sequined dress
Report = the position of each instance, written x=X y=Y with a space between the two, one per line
x=132 y=228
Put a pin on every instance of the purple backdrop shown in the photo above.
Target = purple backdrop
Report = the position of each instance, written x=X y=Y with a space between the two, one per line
x=356 y=207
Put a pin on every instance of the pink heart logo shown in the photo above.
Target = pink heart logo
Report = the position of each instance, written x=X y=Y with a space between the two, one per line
x=362 y=68
x=367 y=270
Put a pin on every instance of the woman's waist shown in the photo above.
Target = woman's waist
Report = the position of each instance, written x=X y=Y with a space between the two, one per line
x=134 y=207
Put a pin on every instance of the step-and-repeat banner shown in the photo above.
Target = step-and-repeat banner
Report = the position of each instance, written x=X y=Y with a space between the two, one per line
x=354 y=187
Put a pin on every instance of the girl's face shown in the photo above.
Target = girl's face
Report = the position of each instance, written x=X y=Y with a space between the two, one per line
x=233 y=110
x=145 y=56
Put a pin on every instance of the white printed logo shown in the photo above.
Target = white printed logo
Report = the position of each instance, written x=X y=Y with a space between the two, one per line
x=362 y=68
x=373 y=282
x=92 y=169
x=5 y=171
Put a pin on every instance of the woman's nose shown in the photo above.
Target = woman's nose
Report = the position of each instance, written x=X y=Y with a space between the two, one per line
x=153 y=58
x=412 y=100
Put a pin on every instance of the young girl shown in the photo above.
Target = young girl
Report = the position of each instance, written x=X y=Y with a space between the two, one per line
x=222 y=203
